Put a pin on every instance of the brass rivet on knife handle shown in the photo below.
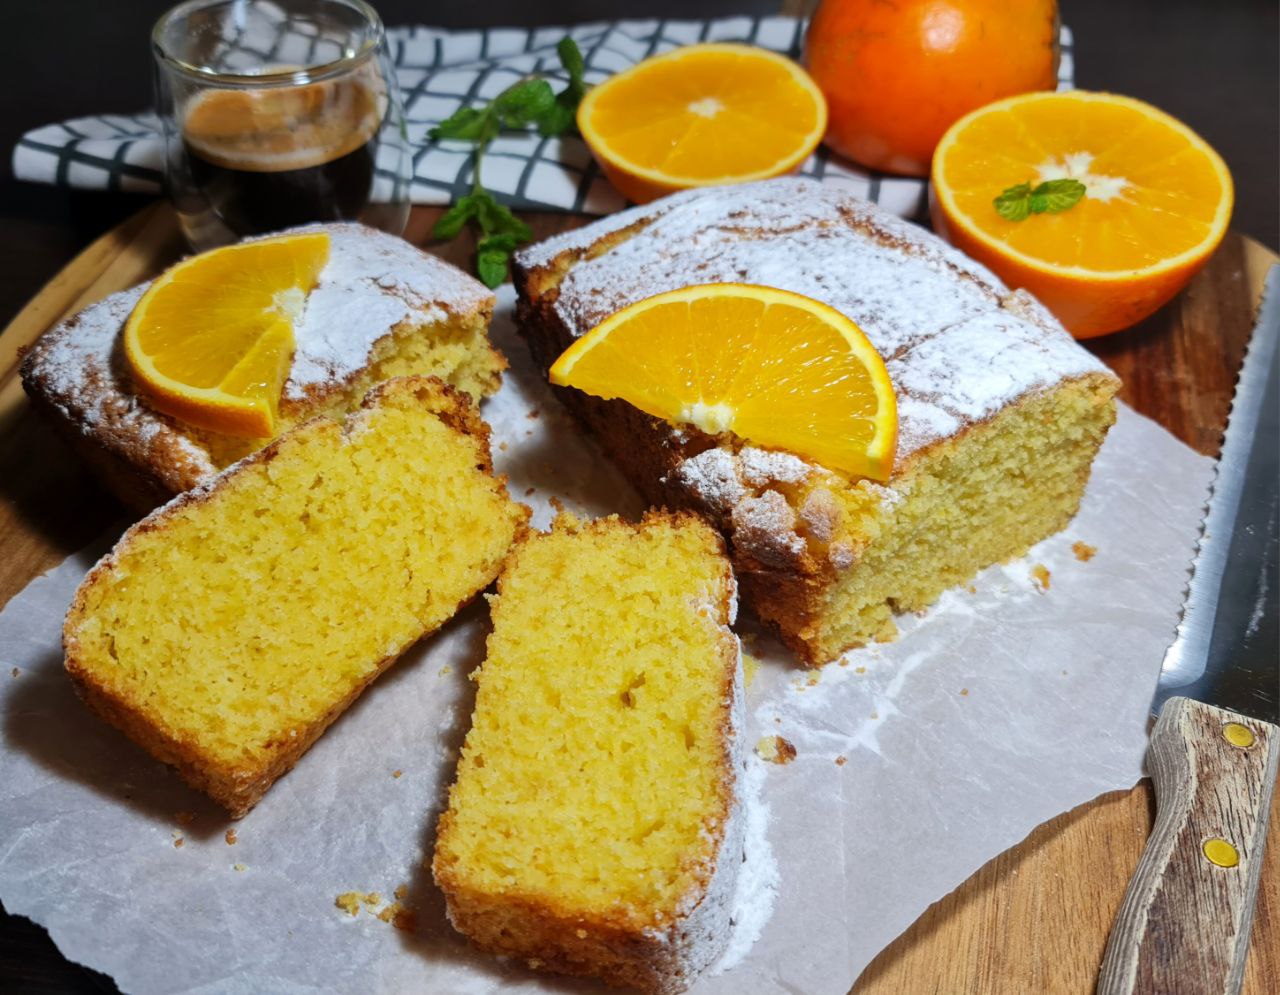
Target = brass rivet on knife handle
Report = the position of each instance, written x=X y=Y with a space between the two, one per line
x=1238 y=735
x=1185 y=921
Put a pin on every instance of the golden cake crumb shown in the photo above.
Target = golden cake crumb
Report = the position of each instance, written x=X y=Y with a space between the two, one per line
x=1084 y=552
x=178 y=842
x=859 y=670
x=1040 y=574
x=841 y=760
x=373 y=898
x=964 y=692
x=749 y=667
x=230 y=837
x=446 y=670
x=401 y=891
x=814 y=680
x=397 y=774
x=775 y=750
x=349 y=902
x=502 y=447
x=237 y=867
x=971 y=589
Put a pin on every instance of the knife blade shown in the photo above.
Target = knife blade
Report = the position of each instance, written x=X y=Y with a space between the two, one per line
x=1185 y=920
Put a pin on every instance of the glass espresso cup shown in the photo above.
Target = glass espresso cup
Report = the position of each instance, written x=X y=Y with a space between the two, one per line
x=278 y=113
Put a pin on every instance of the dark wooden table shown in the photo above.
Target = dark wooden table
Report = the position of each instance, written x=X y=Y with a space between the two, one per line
x=1214 y=66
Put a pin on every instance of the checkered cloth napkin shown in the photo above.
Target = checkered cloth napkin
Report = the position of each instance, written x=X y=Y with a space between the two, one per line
x=439 y=71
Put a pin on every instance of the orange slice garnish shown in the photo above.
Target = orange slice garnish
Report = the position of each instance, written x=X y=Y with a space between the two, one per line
x=1156 y=203
x=775 y=368
x=700 y=116
x=211 y=340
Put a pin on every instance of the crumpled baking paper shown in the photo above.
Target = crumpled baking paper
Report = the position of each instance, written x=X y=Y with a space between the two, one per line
x=1000 y=708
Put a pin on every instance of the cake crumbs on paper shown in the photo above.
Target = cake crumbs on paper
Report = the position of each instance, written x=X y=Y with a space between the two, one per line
x=401 y=891
x=859 y=670
x=397 y=774
x=400 y=916
x=178 y=842
x=230 y=837
x=1084 y=552
x=750 y=667
x=875 y=714
x=964 y=692
x=238 y=867
x=503 y=447
x=971 y=589
x=15 y=672
x=844 y=662
x=349 y=902
x=373 y=898
x=528 y=491
x=814 y=680
x=775 y=750
x=446 y=670
x=1040 y=574
x=841 y=760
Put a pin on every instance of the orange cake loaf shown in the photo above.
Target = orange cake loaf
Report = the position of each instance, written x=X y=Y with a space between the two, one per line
x=1000 y=411
x=595 y=824
x=227 y=630
x=381 y=308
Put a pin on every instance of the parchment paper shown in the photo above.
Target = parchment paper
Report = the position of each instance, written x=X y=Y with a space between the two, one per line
x=997 y=710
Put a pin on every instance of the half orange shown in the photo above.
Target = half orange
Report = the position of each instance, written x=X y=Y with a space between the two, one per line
x=700 y=116
x=775 y=368
x=1156 y=202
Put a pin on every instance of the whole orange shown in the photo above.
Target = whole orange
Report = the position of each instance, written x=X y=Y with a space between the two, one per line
x=898 y=73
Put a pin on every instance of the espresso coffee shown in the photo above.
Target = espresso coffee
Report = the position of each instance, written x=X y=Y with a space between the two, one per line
x=262 y=160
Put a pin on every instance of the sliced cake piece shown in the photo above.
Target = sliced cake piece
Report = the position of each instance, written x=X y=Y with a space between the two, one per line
x=382 y=308
x=1000 y=411
x=227 y=630
x=594 y=825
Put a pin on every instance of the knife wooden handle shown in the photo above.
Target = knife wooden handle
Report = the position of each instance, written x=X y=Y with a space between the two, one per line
x=1185 y=920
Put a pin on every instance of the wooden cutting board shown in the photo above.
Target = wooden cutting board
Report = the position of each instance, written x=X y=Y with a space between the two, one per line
x=1036 y=918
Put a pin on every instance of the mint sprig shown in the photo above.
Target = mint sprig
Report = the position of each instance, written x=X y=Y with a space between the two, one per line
x=1017 y=203
x=527 y=102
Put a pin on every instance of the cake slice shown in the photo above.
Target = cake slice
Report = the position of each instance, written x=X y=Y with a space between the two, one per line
x=594 y=825
x=1000 y=411
x=381 y=309
x=227 y=630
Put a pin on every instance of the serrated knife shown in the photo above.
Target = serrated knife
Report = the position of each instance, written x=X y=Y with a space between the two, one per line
x=1184 y=924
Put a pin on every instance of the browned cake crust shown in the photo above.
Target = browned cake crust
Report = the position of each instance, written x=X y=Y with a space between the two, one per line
x=965 y=354
x=238 y=787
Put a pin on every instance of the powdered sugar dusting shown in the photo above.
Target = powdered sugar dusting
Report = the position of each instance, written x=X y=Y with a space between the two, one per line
x=959 y=344
x=758 y=878
x=372 y=282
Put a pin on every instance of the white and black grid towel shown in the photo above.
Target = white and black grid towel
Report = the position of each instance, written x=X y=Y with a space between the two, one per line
x=439 y=71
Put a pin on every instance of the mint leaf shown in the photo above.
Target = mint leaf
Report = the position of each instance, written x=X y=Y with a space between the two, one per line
x=492 y=255
x=1017 y=203
x=465 y=124
x=455 y=219
x=524 y=103
x=571 y=59
x=1056 y=195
